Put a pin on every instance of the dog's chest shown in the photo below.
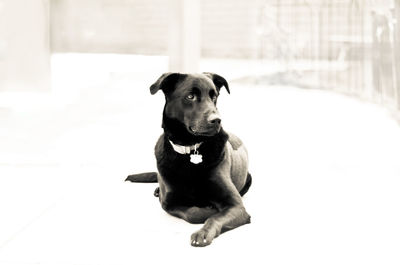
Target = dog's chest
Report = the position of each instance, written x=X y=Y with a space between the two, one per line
x=191 y=184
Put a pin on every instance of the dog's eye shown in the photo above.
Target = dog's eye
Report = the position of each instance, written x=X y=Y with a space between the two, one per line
x=191 y=96
x=214 y=98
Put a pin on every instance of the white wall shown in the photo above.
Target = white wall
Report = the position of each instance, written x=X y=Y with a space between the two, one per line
x=24 y=45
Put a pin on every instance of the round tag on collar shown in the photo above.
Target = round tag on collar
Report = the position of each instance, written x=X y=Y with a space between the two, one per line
x=196 y=158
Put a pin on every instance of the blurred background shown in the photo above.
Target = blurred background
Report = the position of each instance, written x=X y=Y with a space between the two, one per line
x=350 y=46
x=315 y=95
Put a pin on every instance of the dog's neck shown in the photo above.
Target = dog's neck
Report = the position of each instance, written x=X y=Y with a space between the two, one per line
x=211 y=148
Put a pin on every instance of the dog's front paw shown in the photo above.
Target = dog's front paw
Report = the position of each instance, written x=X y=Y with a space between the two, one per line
x=202 y=238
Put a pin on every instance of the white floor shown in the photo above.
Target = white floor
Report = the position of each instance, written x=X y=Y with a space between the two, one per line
x=325 y=167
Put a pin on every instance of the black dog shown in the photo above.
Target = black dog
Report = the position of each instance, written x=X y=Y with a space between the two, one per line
x=203 y=170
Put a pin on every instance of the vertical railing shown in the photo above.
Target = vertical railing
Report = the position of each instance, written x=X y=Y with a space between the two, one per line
x=352 y=46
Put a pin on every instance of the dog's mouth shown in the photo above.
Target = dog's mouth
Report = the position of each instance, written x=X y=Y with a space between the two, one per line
x=210 y=131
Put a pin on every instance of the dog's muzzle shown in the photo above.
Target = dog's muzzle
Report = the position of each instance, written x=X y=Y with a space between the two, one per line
x=208 y=127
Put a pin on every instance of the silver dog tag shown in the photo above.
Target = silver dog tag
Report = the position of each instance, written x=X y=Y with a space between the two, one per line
x=196 y=158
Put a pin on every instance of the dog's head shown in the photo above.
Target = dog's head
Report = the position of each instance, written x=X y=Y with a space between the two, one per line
x=192 y=100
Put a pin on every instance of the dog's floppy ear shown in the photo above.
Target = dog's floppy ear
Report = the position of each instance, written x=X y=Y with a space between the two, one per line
x=218 y=81
x=166 y=82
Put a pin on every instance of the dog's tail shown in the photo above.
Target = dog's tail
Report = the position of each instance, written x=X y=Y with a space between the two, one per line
x=148 y=177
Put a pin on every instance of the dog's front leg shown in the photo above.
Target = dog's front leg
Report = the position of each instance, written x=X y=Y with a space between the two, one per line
x=231 y=214
x=228 y=219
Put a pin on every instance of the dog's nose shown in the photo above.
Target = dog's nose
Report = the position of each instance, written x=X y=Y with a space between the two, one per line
x=214 y=119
